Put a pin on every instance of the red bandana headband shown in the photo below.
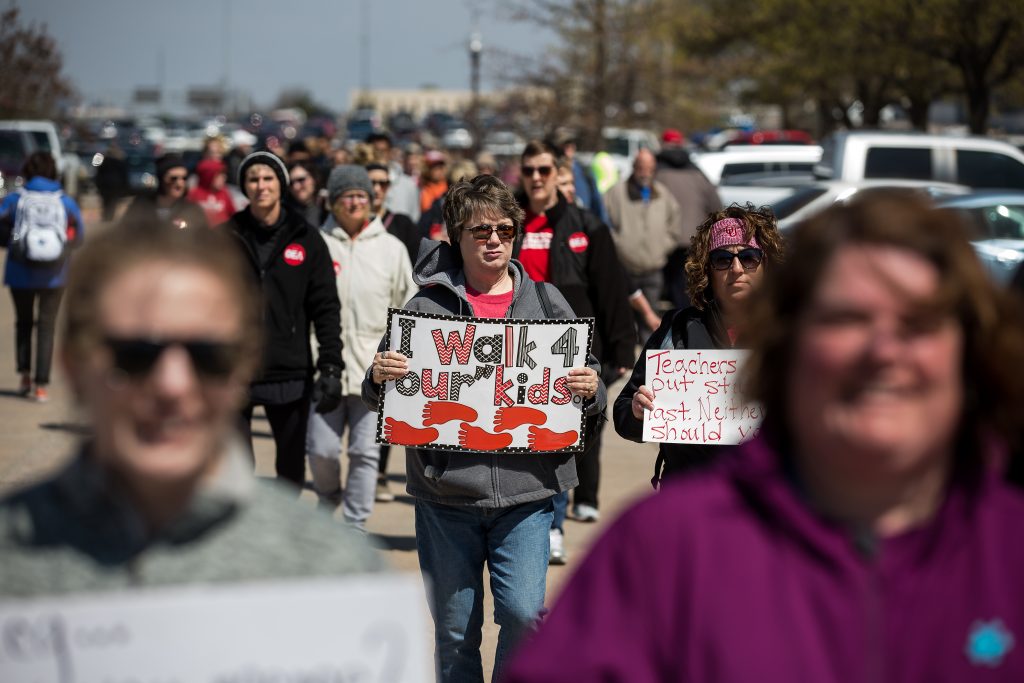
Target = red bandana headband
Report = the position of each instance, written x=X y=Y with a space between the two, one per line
x=728 y=232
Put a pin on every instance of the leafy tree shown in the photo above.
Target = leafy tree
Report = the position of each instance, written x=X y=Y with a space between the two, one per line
x=31 y=82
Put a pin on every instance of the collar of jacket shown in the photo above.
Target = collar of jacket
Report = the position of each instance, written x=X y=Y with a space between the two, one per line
x=633 y=190
x=554 y=214
x=373 y=229
x=92 y=494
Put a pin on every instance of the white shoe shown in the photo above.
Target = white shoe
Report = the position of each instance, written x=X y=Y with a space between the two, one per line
x=557 y=555
x=585 y=513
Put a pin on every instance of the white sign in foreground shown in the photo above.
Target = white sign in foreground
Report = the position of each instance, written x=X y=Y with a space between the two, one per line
x=480 y=384
x=368 y=629
x=696 y=399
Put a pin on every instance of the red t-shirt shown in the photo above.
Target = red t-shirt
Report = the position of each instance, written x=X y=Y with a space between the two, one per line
x=535 y=252
x=489 y=305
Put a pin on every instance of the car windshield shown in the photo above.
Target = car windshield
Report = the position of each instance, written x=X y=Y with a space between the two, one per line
x=784 y=208
x=12 y=148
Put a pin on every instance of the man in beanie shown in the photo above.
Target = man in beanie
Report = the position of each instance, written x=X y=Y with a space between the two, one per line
x=291 y=264
x=373 y=274
x=168 y=204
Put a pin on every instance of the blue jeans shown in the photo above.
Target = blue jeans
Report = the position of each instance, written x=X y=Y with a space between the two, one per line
x=561 y=502
x=454 y=543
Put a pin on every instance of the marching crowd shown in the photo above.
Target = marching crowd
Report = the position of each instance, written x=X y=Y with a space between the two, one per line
x=869 y=532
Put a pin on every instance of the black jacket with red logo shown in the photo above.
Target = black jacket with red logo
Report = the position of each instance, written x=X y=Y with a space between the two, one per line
x=299 y=291
x=586 y=269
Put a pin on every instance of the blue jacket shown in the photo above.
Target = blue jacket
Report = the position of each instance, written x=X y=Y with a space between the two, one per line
x=19 y=275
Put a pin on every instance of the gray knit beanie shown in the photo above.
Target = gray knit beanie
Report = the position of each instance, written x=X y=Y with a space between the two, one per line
x=267 y=159
x=348 y=177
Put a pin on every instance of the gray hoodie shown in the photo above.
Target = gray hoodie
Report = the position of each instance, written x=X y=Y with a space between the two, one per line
x=485 y=480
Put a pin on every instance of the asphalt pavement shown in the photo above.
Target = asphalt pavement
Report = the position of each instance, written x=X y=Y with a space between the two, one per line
x=38 y=438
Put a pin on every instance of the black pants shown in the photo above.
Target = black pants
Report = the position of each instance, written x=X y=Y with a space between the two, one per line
x=385 y=453
x=288 y=422
x=25 y=319
x=588 y=468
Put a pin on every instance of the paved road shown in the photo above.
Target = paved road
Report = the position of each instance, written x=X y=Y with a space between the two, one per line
x=38 y=437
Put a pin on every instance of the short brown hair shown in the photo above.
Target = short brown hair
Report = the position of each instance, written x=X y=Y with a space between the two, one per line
x=482 y=194
x=39 y=165
x=758 y=223
x=125 y=246
x=993 y=336
x=536 y=147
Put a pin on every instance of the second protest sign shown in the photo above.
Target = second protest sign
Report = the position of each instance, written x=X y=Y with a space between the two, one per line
x=481 y=384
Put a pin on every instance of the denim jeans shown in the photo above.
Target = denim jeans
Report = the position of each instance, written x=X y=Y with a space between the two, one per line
x=454 y=543
x=560 y=502
x=323 y=445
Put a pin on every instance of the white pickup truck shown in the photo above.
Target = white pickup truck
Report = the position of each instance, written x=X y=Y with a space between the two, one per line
x=976 y=162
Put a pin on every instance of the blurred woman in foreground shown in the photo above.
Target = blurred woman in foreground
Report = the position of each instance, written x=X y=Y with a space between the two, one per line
x=161 y=340
x=727 y=260
x=867 y=533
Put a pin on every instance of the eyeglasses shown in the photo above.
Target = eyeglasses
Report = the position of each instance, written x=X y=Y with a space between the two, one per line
x=354 y=198
x=483 y=232
x=544 y=171
x=750 y=258
x=380 y=183
x=301 y=179
x=211 y=359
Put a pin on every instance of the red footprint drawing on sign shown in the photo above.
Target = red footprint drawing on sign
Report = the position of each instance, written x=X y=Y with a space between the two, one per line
x=404 y=434
x=439 y=412
x=546 y=440
x=477 y=439
x=507 y=419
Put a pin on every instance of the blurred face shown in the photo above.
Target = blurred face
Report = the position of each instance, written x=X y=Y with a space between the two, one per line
x=876 y=380
x=301 y=185
x=163 y=416
x=176 y=182
x=732 y=286
x=437 y=171
x=219 y=181
x=566 y=184
x=352 y=210
x=644 y=166
x=262 y=186
x=540 y=182
x=485 y=258
x=381 y=181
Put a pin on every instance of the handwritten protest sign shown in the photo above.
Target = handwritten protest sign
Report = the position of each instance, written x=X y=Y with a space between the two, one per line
x=480 y=384
x=696 y=398
x=368 y=629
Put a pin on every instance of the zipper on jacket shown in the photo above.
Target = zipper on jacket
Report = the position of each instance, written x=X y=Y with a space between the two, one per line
x=874 y=656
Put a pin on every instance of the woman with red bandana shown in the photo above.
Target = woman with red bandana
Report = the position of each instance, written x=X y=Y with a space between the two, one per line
x=727 y=261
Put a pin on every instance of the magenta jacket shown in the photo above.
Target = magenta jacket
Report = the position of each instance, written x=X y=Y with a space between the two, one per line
x=728 y=575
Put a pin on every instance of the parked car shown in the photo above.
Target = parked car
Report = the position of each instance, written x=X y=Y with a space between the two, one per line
x=997 y=222
x=19 y=139
x=977 y=162
x=760 y=174
x=815 y=197
x=771 y=137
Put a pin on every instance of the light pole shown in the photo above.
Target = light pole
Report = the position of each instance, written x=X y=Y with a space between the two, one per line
x=476 y=46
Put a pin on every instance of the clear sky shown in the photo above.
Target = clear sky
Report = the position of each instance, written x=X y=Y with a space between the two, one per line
x=110 y=47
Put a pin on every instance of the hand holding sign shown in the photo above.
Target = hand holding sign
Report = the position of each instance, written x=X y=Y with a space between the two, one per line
x=389 y=365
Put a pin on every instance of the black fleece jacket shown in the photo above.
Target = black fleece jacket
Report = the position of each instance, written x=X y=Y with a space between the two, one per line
x=585 y=268
x=299 y=291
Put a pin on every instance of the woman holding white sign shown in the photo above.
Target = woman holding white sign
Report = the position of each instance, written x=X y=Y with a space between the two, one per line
x=867 y=532
x=727 y=260
x=477 y=508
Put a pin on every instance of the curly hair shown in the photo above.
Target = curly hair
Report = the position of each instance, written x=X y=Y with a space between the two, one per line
x=759 y=223
x=484 y=194
x=992 y=330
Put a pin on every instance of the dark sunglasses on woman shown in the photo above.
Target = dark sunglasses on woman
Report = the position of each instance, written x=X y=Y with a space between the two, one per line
x=210 y=359
x=750 y=258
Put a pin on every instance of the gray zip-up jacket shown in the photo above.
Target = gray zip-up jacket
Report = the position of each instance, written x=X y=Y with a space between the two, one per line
x=487 y=480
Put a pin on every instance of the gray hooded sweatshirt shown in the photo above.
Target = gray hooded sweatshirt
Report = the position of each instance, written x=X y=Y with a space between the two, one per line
x=488 y=480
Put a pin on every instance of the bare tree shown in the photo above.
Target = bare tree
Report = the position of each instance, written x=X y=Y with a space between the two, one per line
x=31 y=82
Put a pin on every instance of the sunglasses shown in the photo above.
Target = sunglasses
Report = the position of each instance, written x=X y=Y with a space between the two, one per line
x=544 y=171
x=177 y=178
x=301 y=179
x=750 y=258
x=210 y=359
x=380 y=183
x=483 y=232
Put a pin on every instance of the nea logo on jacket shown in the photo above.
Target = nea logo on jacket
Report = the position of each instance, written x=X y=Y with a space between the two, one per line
x=294 y=254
